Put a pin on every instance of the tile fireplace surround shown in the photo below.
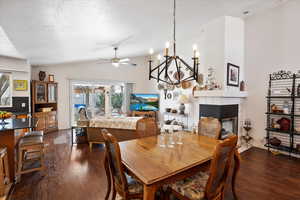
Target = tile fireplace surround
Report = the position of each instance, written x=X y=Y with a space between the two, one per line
x=222 y=100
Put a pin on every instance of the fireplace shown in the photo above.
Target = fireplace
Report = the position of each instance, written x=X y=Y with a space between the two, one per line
x=227 y=115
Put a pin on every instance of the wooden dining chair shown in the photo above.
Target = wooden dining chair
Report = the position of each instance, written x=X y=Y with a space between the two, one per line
x=123 y=184
x=147 y=127
x=229 y=192
x=212 y=185
x=210 y=127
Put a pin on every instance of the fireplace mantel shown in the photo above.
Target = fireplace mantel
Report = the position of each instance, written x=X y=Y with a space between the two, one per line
x=221 y=94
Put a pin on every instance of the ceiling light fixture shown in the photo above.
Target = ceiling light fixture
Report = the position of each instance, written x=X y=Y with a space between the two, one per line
x=173 y=75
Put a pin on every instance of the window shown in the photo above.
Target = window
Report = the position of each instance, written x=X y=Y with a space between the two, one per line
x=97 y=98
x=5 y=90
x=117 y=99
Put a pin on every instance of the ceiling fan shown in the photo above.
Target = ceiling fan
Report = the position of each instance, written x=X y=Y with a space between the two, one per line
x=116 y=61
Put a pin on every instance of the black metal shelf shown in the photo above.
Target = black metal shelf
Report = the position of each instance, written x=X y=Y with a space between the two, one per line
x=291 y=84
x=281 y=114
x=280 y=147
x=283 y=97
x=295 y=151
x=278 y=130
x=279 y=97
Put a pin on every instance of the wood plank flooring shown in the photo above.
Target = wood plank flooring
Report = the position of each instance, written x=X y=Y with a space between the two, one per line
x=75 y=173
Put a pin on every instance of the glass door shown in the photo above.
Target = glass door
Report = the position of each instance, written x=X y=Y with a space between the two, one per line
x=88 y=96
x=98 y=99
x=41 y=92
x=52 y=92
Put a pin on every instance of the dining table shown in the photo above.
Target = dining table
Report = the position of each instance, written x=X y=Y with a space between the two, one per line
x=155 y=165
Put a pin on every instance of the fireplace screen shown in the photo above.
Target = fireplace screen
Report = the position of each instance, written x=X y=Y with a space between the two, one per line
x=227 y=115
x=228 y=126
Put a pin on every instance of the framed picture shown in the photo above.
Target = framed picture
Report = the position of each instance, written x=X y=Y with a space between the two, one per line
x=233 y=75
x=20 y=85
x=51 y=78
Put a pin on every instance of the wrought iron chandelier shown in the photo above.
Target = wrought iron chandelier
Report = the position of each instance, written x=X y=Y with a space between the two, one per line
x=173 y=75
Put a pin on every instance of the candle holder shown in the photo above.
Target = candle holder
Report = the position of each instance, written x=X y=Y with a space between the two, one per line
x=247 y=138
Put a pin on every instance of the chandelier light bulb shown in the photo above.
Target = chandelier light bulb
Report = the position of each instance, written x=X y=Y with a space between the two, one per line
x=151 y=51
x=197 y=54
x=195 y=47
x=158 y=57
x=167 y=44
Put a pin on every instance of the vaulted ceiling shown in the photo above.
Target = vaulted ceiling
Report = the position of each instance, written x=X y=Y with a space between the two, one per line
x=55 y=31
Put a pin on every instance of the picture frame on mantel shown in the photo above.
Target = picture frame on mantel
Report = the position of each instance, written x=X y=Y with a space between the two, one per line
x=233 y=75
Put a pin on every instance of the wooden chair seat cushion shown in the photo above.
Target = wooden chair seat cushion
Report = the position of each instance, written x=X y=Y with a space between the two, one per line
x=27 y=141
x=34 y=133
x=193 y=187
x=134 y=186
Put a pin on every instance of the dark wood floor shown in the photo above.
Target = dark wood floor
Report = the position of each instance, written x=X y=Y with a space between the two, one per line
x=76 y=173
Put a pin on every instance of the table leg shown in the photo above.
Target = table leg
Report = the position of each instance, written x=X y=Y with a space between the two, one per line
x=149 y=192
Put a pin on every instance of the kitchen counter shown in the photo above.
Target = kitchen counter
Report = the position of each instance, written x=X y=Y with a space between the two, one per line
x=14 y=124
x=10 y=134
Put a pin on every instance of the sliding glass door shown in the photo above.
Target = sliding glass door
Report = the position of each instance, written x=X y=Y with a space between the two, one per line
x=97 y=98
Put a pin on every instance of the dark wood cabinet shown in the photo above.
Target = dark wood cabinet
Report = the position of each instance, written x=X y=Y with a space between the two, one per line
x=44 y=105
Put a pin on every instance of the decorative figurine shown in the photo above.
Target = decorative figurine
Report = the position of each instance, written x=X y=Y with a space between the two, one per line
x=42 y=75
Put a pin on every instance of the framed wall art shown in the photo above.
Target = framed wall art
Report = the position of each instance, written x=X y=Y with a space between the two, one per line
x=20 y=85
x=233 y=75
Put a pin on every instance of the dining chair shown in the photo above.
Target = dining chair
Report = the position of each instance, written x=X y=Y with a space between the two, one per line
x=212 y=185
x=210 y=127
x=123 y=184
x=146 y=127
x=229 y=192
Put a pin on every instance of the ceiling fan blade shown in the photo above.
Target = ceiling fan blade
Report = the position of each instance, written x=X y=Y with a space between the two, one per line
x=124 y=60
x=129 y=64
x=103 y=61
x=118 y=43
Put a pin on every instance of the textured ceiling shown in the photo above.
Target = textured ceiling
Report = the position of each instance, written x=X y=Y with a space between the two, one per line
x=55 y=31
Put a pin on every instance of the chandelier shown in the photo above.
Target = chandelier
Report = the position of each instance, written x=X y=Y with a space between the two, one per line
x=173 y=74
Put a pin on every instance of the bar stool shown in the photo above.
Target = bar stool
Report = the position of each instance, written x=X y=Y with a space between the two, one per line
x=4 y=172
x=31 y=154
x=34 y=133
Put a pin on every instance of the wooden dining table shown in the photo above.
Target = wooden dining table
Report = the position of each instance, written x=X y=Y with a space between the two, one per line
x=156 y=166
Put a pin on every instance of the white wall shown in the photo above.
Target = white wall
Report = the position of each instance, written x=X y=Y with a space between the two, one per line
x=20 y=70
x=90 y=70
x=272 y=44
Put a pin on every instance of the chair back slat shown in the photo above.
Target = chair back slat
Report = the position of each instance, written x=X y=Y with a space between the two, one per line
x=210 y=127
x=146 y=127
x=220 y=167
x=114 y=159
